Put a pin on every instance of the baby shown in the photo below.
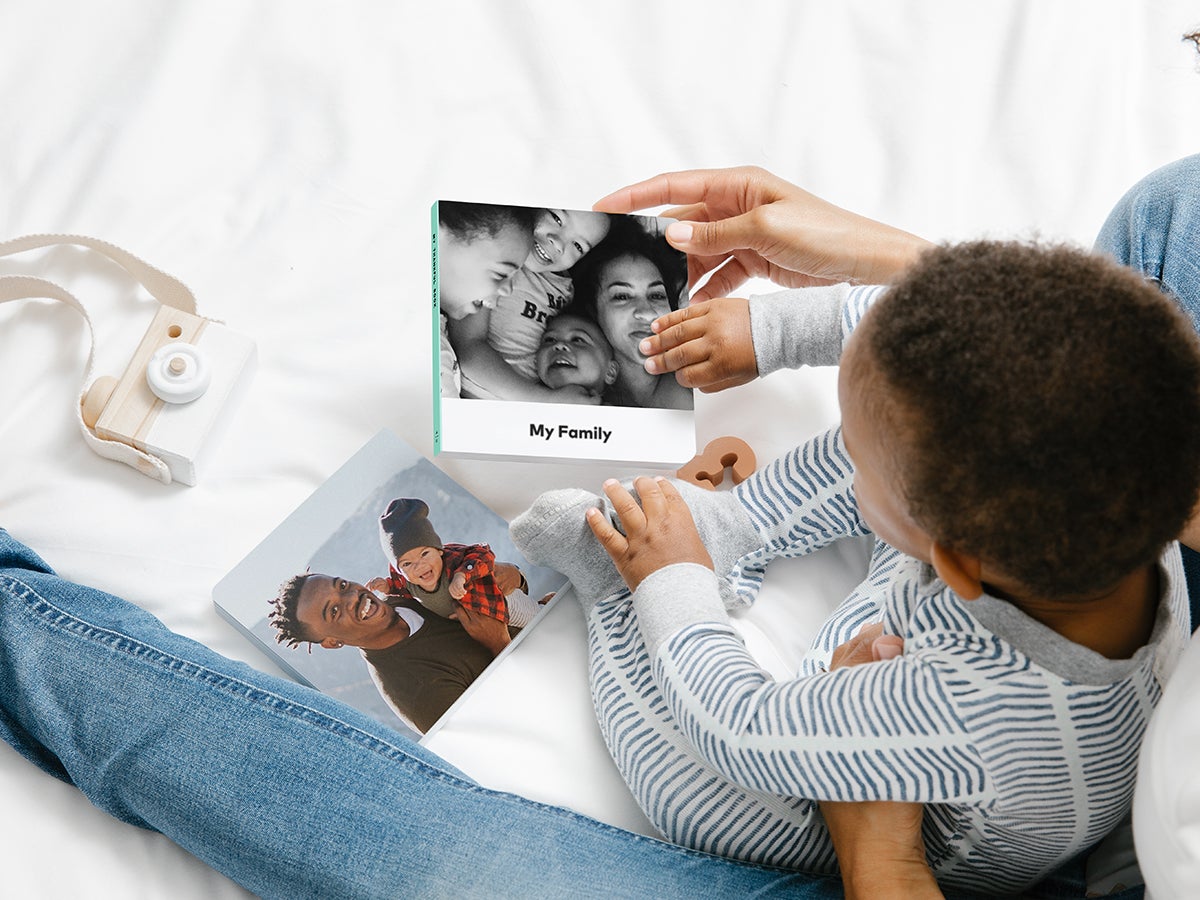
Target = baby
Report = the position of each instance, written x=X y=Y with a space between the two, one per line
x=444 y=576
x=574 y=351
x=1019 y=431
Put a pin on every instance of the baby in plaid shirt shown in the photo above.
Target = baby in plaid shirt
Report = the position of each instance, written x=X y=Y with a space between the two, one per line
x=443 y=577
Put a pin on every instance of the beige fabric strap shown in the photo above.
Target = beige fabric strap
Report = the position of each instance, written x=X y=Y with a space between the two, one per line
x=167 y=290
x=164 y=288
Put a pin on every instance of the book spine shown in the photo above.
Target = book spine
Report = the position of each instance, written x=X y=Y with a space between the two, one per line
x=437 y=334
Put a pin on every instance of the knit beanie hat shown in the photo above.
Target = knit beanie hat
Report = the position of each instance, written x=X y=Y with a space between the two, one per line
x=405 y=525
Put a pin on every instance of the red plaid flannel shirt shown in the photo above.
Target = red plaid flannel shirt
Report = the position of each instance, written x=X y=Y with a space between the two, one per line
x=478 y=561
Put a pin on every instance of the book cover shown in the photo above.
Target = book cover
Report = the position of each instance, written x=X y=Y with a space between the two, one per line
x=538 y=314
x=363 y=591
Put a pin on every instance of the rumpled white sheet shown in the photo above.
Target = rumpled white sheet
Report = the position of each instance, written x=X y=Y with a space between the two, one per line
x=281 y=158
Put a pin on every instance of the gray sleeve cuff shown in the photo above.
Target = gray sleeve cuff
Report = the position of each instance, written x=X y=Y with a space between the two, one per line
x=800 y=327
x=675 y=597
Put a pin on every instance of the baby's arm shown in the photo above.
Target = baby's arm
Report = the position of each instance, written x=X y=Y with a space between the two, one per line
x=729 y=341
x=806 y=737
x=478 y=562
x=486 y=374
x=393 y=584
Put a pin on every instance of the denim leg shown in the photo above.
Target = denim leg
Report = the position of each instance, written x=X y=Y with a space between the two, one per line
x=1155 y=229
x=287 y=791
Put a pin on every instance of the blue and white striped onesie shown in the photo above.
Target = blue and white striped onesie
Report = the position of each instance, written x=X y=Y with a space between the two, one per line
x=1023 y=744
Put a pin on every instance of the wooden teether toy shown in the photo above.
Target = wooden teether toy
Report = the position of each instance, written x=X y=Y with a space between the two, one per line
x=707 y=468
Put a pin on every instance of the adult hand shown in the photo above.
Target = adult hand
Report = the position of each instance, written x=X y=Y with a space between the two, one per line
x=707 y=345
x=508 y=577
x=744 y=223
x=658 y=533
x=878 y=843
x=492 y=633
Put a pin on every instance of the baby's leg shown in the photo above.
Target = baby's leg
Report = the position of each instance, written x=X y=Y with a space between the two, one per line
x=791 y=507
x=554 y=533
x=687 y=801
x=522 y=609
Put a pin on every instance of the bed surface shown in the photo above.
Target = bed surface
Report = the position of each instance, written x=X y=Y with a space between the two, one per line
x=281 y=160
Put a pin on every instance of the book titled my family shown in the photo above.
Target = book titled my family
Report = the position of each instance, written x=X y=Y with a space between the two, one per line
x=391 y=588
x=539 y=317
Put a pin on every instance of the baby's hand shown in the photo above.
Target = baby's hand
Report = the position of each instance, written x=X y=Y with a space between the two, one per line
x=707 y=345
x=378 y=585
x=658 y=533
x=458 y=586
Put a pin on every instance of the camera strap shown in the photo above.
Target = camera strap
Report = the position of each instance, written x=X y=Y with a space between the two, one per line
x=164 y=288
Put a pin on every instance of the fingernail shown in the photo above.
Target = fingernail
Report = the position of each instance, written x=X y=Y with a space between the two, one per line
x=679 y=232
x=887 y=649
x=650 y=366
x=609 y=482
x=644 y=346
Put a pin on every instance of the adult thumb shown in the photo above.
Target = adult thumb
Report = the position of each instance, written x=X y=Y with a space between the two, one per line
x=712 y=238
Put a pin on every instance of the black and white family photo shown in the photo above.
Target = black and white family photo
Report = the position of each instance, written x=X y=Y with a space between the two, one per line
x=550 y=305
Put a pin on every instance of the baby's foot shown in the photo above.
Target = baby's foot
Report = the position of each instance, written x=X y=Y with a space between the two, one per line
x=554 y=533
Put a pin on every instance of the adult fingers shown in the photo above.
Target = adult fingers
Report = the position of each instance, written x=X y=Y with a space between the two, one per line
x=692 y=212
x=675 y=188
x=724 y=281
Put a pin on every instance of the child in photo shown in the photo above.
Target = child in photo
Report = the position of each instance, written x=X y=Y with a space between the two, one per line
x=480 y=247
x=574 y=351
x=497 y=344
x=446 y=577
x=1020 y=429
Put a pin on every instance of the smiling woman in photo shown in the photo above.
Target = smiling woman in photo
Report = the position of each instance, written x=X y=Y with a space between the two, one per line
x=625 y=284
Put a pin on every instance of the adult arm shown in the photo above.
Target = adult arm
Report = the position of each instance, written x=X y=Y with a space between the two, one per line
x=744 y=223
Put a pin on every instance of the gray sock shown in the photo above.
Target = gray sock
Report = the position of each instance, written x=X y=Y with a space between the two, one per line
x=554 y=533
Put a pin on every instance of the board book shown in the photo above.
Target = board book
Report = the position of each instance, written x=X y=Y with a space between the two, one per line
x=537 y=317
x=344 y=536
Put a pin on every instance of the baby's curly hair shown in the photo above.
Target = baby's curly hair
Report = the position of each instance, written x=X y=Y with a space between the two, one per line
x=290 y=630
x=1049 y=401
x=472 y=221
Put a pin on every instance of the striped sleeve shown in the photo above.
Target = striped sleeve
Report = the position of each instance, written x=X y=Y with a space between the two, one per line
x=886 y=731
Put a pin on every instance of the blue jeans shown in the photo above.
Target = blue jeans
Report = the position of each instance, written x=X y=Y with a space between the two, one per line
x=1155 y=229
x=285 y=790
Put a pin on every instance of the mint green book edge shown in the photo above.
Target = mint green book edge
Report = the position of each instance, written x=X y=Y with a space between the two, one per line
x=437 y=335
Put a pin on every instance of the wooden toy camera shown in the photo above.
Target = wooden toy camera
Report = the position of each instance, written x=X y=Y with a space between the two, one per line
x=176 y=394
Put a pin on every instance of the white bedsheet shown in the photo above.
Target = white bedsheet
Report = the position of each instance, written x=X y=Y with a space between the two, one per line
x=281 y=158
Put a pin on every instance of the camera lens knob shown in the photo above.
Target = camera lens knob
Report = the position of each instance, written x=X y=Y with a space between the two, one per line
x=178 y=373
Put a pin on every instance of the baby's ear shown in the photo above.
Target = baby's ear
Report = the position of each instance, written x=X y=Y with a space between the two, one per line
x=611 y=374
x=961 y=571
